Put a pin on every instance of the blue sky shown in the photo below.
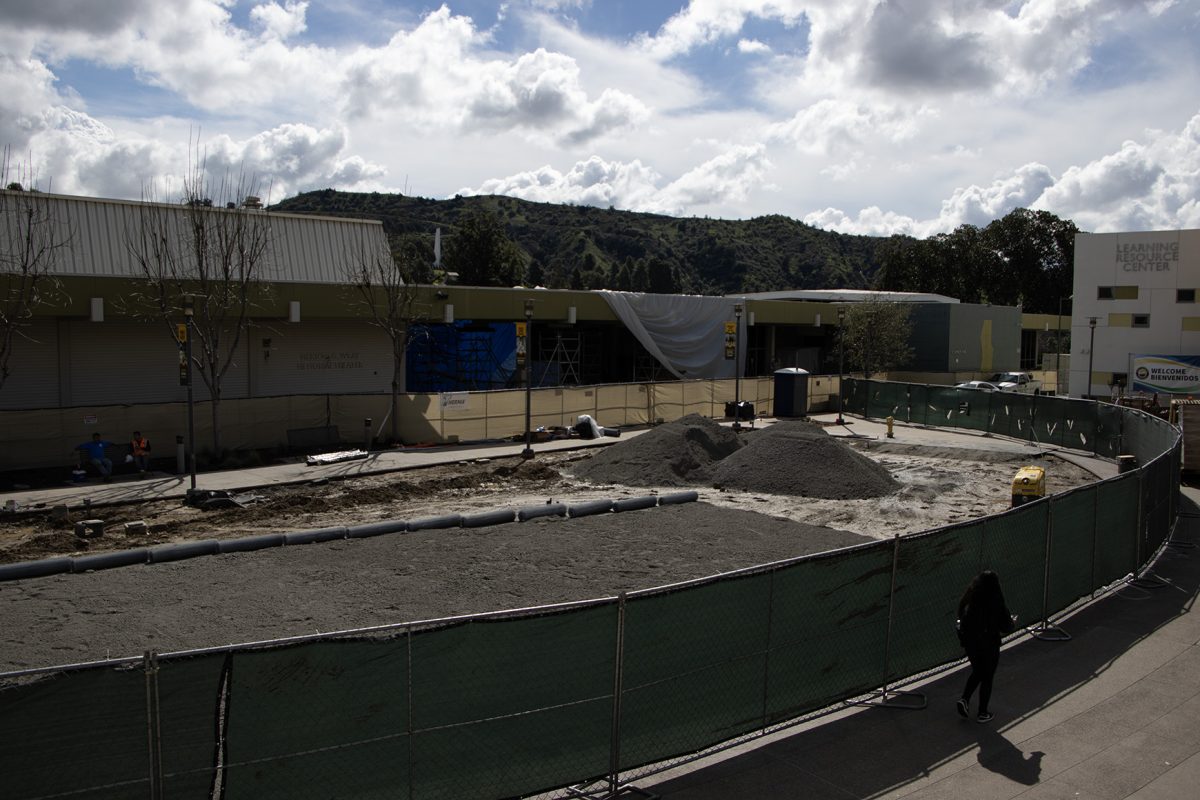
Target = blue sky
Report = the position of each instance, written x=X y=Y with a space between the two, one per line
x=864 y=116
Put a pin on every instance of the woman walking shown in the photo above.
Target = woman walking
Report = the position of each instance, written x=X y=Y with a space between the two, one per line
x=983 y=619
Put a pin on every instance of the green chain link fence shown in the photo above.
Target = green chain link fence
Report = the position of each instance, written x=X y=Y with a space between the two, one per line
x=594 y=694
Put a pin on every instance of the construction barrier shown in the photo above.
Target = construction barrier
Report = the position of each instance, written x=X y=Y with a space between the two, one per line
x=597 y=693
x=47 y=438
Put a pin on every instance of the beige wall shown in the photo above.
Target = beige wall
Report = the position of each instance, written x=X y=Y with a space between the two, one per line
x=47 y=438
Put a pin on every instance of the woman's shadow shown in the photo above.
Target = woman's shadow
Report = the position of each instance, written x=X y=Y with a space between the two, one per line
x=1001 y=756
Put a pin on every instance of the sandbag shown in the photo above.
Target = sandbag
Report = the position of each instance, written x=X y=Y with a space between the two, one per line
x=182 y=550
x=314 y=536
x=248 y=543
x=376 y=528
x=548 y=510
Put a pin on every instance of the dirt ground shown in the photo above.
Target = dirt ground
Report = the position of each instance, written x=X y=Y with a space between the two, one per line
x=268 y=594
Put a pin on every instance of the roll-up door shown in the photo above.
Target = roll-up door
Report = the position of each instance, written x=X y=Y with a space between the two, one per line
x=33 y=368
x=132 y=362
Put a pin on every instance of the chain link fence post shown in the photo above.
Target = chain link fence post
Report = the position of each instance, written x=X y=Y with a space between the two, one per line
x=885 y=697
x=153 y=723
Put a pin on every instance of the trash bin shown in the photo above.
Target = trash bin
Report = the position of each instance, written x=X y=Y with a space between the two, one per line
x=791 y=392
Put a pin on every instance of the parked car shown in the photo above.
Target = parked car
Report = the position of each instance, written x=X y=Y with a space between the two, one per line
x=981 y=385
x=1023 y=382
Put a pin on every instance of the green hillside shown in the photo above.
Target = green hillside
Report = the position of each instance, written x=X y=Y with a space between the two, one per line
x=592 y=248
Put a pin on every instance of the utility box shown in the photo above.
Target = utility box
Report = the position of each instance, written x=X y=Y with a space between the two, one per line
x=791 y=392
x=1028 y=484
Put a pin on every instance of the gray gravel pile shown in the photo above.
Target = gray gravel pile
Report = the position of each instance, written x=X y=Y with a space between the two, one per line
x=799 y=458
x=679 y=453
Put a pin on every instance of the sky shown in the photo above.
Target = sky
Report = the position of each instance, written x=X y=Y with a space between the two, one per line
x=861 y=116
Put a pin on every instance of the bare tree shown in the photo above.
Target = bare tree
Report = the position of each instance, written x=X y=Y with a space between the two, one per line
x=385 y=285
x=31 y=241
x=877 y=335
x=211 y=258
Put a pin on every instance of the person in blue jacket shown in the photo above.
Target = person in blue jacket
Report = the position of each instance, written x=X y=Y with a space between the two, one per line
x=95 y=453
x=983 y=620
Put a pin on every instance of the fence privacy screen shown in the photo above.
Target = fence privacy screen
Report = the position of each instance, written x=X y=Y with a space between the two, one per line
x=503 y=705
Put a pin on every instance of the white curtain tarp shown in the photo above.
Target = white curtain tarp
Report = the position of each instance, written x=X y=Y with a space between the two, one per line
x=685 y=333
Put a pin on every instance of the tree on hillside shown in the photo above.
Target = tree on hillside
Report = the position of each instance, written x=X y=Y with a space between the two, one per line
x=214 y=257
x=384 y=282
x=482 y=254
x=1036 y=251
x=877 y=335
x=1025 y=258
x=31 y=241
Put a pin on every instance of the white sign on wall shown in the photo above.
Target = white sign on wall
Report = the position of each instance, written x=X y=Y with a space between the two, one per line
x=1166 y=374
x=455 y=401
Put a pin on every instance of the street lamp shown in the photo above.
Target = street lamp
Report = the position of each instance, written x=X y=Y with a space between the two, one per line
x=189 y=312
x=1091 y=353
x=528 y=451
x=737 y=365
x=841 y=362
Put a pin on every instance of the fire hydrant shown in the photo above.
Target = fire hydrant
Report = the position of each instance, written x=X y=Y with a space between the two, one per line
x=889 y=424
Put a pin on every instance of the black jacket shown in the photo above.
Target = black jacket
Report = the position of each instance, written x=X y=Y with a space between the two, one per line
x=985 y=621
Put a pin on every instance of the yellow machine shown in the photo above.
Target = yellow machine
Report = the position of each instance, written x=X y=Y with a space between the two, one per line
x=1028 y=484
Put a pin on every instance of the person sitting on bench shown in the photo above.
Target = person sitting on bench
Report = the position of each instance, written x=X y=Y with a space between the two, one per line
x=94 y=451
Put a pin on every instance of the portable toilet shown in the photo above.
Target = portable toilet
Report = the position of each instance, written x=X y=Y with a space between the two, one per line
x=791 y=392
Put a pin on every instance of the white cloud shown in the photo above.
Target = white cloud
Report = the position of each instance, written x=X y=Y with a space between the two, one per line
x=433 y=74
x=440 y=72
x=701 y=23
x=281 y=22
x=293 y=158
x=728 y=177
x=837 y=126
x=752 y=46
x=920 y=45
x=594 y=182
x=81 y=155
x=871 y=221
x=1154 y=184
x=1143 y=185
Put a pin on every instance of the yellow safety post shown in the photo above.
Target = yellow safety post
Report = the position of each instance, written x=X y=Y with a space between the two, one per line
x=889 y=424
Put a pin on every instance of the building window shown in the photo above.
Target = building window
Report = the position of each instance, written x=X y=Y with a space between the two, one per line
x=1141 y=320
x=1104 y=293
x=1116 y=293
x=1185 y=295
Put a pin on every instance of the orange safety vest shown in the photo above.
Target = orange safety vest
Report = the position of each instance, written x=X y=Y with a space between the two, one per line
x=140 y=446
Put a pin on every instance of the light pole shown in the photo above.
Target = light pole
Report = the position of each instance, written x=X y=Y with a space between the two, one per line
x=528 y=451
x=1091 y=353
x=189 y=312
x=737 y=365
x=841 y=362
x=1058 y=346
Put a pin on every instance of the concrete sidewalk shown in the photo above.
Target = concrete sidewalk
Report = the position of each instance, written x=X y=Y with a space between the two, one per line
x=1113 y=713
x=161 y=486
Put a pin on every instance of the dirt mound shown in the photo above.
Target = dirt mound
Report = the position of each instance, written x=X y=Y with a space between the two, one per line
x=679 y=453
x=799 y=458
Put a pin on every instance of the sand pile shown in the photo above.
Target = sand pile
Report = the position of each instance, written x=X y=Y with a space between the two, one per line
x=799 y=458
x=679 y=453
